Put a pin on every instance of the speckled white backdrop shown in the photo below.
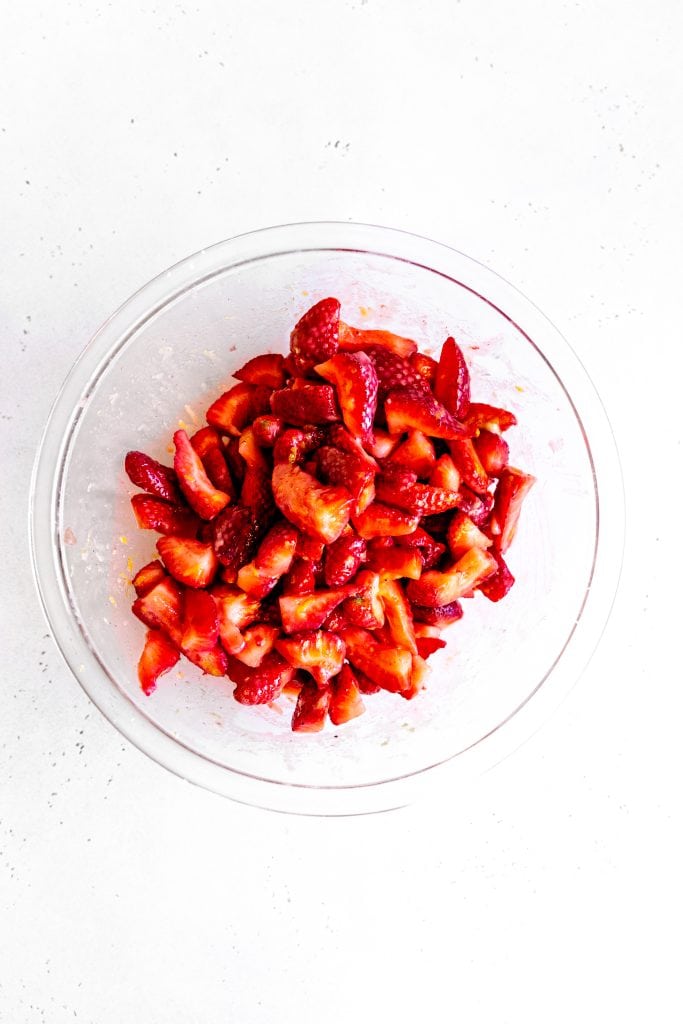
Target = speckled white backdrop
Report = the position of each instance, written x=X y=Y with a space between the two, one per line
x=542 y=138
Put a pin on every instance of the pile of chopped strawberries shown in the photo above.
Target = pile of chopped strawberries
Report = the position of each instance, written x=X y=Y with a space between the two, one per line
x=323 y=528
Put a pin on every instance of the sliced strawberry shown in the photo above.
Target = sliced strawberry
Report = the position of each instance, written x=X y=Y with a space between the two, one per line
x=344 y=469
x=399 y=617
x=388 y=667
x=346 y=702
x=318 y=652
x=266 y=370
x=355 y=378
x=442 y=616
x=382 y=521
x=425 y=366
x=263 y=684
x=310 y=548
x=259 y=641
x=417 y=408
x=497 y=586
x=311 y=709
x=351 y=339
x=161 y=608
x=309 y=611
x=395 y=563
x=481 y=416
x=292 y=446
x=513 y=487
x=476 y=507
x=343 y=558
x=365 y=685
x=152 y=477
x=200 y=621
x=339 y=437
x=418 y=676
x=394 y=371
x=301 y=578
x=416 y=453
x=267 y=429
x=469 y=466
x=400 y=490
x=236 y=407
x=272 y=560
x=235 y=611
x=452 y=382
x=316 y=509
x=365 y=608
x=209 y=447
x=430 y=549
x=427 y=645
x=212 y=663
x=159 y=655
x=156 y=514
x=204 y=498
x=148 y=577
x=435 y=589
x=384 y=444
x=234 y=538
x=235 y=462
x=316 y=336
x=305 y=403
x=188 y=561
x=256 y=493
x=493 y=452
x=445 y=474
x=463 y=535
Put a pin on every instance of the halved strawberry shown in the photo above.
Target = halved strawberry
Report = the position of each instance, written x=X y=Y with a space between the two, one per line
x=497 y=586
x=445 y=474
x=452 y=382
x=430 y=549
x=383 y=521
x=394 y=371
x=463 y=535
x=434 y=588
x=259 y=641
x=266 y=369
x=417 y=408
x=301 y=578
x=481 y=416
x=316 y=336
x=351 y=339
x=365 y=608
x=318 y=652
x=159 y=655
x=272 y=560
x=292 y=446
x=189 y=561
x=204 y=498
x=343 y=558
x=304 y=403
x=309 y=611
x=235 y=537
x=399 y=489
x=267 y=429
x=384 y=444
x=346 y=702
x=468 y=464
x=425 y=366
x=477 y=507
x=263 y=684
x=209 y=447
x=416 y=453
x=311 y=709
x=513 y=487
x=200 y=621
x=235 y=611
x=399 y=617
x=493 y=452
x=238 y=406
x=152 y=477
x=395 y=563
x=157 y=514
x=148 y=577
x=441 y=616
x=316 y=509
x=355 y=378
x=344 y=469
x=161 y=608
x=388 y=667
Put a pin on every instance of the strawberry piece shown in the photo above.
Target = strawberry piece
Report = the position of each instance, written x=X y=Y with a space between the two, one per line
x=259 y=641
x=497 y=585
x=236 y=407
x=235 y=611
x=345 y=702
x=309 y=611
x=452 y=381
x=235 y=537
x=316 y=509
x=493 y=452
x=388 y=667
x=301 y=578
x=417 y=408
x=204 y=498
x=365 y=608
x=309 y=547
x=159 y=655
x=463 y=534
x=384 y=444
x=339 y=437
x=416 y=453
x=355 y=378
x=395 y=563
x=311 y=709
x=400 y=490
x=435 y=589
x=467 y=462
x=161 y=608
x=209 y=447
x=188 y=561
x=476 y=507
x=212 y=663
x=292 y=446
x=513 y=487
x=344 y=469
x=266 y=370
x=148 y=577
x=152 y=477
x=343 y=558
x=318 y=652
x=304 y=403
x=235 y=462
x=257 y=492
x=267 y=429
x=200 y=621
x=445 y=474
x=445 y=615
x=431 y=550
x=481 y=416
x=316 y=335
x=393 y=371
x=272 y=560
x=263 y=684
x=425 y=366
x=427 y=645
x=398 y=614
x=351 y=339
x=418 y=675
x=365 y=685
x=156 y=514
x=382 y=521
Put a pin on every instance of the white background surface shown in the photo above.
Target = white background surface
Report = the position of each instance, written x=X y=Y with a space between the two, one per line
x=542 y=138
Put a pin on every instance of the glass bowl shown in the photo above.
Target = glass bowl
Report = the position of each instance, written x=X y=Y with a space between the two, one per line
x=170 y=351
